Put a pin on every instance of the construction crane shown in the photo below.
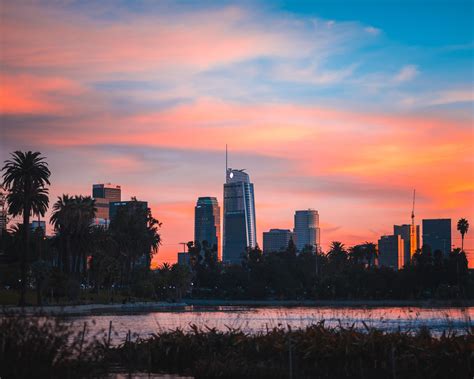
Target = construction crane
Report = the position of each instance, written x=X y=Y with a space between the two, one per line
x=413 y=236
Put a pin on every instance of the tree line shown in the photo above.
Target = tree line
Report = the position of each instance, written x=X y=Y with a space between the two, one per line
x=342 y=273
x=117 y=259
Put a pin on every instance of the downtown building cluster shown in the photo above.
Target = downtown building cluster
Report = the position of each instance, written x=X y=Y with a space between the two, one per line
x=396 y=250
x=239 y=231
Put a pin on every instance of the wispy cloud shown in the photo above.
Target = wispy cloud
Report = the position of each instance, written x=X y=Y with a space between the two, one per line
x=407 y=73
x=146 y=94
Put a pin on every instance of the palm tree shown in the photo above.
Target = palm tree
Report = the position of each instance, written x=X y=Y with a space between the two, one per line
x=135 y=232
x=25 y=176
x=72 y=218
x=337 y=254
x=356 y=254
x=463 y=227
x=370 y=252
x=60 y=220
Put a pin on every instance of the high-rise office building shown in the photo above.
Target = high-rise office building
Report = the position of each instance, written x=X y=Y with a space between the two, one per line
x=207 y=222
x=307 y=231
x=391 y=252
x=276 y=240
x=437 y=234
x=409 y=247
x=131 y=205
x=239 y=216
x=103 y=195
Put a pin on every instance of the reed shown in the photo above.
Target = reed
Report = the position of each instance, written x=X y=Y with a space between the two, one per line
x=45 y=347
x=316 y=351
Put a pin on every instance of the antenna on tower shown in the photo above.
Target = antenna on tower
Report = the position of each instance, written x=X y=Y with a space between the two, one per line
x=413 y=234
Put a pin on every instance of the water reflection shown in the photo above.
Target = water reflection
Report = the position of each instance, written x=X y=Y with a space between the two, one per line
x=259 y=319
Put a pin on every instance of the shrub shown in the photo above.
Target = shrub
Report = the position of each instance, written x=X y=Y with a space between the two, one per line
x=43 y=347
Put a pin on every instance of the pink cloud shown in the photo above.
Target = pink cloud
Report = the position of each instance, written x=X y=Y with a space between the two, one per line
x=354 y=166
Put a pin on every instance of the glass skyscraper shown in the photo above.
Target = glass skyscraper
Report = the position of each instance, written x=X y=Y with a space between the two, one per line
x=207 y=222
x=307 y=230
x=239 y=216
x=437 y=234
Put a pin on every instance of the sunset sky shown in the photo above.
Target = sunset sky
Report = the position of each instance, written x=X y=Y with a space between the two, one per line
x=344 y=107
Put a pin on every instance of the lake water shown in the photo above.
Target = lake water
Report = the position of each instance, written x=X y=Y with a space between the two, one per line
x=258 y=319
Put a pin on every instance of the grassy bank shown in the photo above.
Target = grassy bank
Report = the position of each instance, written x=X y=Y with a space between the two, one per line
x=40 y=347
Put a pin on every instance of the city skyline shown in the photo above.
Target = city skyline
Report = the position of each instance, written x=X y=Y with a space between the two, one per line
x=336 y=108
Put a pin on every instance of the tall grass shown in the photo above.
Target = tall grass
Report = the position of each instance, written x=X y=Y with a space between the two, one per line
x=43 y=347
x=314 y=352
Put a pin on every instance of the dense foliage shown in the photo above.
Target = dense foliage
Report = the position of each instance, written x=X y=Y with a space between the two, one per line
x=41 y=347
x=314 y=352
x=340 y=274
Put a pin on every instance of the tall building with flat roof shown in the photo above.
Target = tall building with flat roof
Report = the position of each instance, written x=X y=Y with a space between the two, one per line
x=240 y=230
x=409 y=247
x=307 y=231
x=391 y=252
x=437 y=234
x=103 y=194
x=207 y=222
x=276 y=240
x=115 y=206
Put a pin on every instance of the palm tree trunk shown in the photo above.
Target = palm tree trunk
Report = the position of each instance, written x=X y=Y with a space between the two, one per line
x=24 y=255
x=462 y=242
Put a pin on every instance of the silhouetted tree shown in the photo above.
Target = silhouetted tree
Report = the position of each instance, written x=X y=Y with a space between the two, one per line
x=25 y=176
x=463 y=227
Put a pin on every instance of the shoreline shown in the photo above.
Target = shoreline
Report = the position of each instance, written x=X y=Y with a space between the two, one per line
x=189 y=304
x=334 y=303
